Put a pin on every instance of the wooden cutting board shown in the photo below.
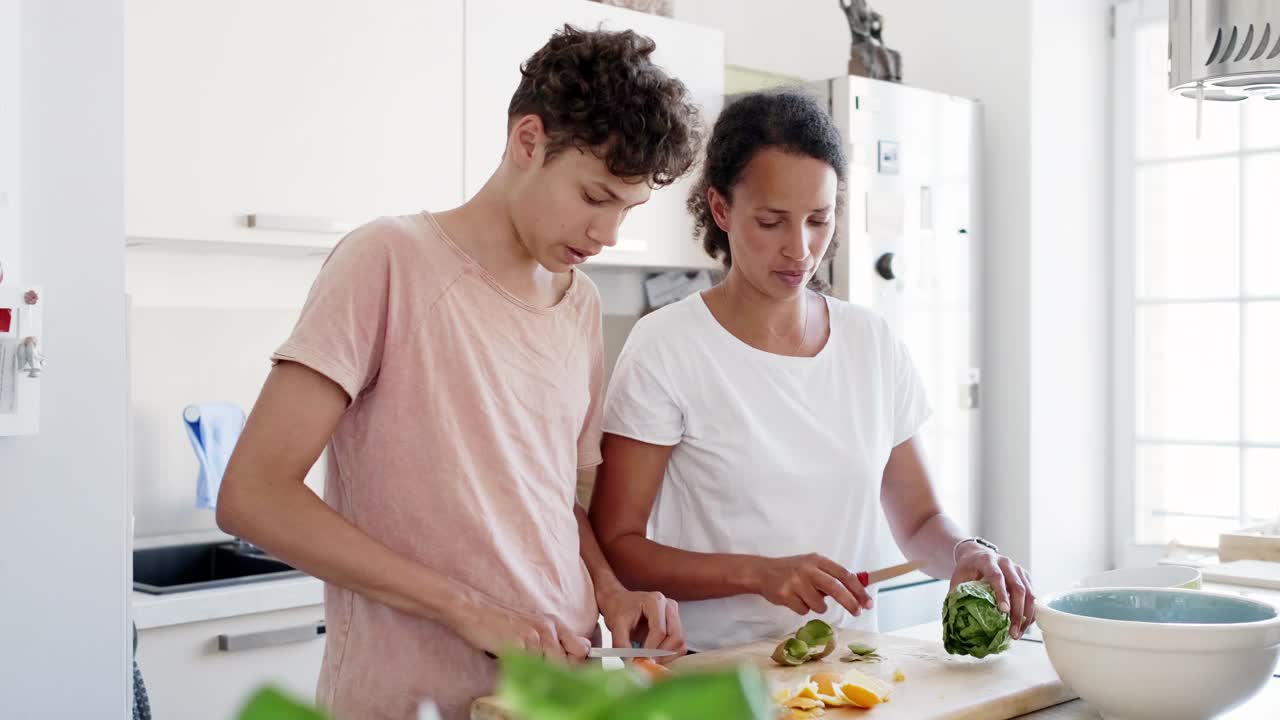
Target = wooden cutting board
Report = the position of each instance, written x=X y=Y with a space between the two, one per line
x=938 y=686
x=1255 y=573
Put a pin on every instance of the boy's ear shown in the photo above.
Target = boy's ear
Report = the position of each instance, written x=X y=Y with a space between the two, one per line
x=527 y=141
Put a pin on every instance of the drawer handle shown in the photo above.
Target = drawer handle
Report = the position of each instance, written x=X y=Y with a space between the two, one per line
x=298 y=223
x=270 y=638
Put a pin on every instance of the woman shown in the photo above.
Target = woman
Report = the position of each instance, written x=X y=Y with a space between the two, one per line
x=756 y=429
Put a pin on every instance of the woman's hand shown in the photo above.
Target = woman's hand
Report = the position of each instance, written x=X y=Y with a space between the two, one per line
x=804 y=582
x=1009 y=580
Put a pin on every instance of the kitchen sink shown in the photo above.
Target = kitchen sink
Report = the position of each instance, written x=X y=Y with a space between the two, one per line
x=183 y=568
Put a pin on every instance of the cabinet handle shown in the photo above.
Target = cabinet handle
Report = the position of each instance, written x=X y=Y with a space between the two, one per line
x=298 y=223
x=270 y=638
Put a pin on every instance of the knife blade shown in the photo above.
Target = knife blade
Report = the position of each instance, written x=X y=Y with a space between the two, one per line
x=629 y=653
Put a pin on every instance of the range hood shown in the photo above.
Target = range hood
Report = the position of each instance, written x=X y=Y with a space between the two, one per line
x=1225 y=50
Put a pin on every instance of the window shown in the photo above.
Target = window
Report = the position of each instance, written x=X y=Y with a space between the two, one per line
x=1196 y=302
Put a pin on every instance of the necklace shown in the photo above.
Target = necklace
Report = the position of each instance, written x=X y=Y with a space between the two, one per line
x=804 y=334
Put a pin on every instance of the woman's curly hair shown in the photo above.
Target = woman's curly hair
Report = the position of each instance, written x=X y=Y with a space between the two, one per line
x=598 y=90
x=788 y=120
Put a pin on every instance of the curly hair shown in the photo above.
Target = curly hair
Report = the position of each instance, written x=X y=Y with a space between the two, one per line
x=788 y=120
x=598 y=90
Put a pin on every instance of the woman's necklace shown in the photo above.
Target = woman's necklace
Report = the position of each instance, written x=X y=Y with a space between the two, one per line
x=804 y=334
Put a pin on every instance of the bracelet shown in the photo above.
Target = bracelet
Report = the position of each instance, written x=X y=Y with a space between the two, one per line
x=980 y=541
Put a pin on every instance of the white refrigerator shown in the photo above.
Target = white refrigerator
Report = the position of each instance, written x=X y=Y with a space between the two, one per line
x=908 y=248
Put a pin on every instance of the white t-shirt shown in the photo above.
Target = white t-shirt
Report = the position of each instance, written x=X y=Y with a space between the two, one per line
x=773 y=456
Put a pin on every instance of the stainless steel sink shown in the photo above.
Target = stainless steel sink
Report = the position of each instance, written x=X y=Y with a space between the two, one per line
x=183 y=568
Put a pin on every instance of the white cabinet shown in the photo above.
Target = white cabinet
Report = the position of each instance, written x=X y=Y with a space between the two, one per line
x=189 y=676
x=500 y=35
x=316 y=115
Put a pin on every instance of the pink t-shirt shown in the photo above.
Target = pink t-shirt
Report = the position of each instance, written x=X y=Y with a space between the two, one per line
x=471 y=412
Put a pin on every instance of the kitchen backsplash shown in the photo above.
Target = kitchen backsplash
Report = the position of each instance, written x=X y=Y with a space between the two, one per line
x=202 y=329
x=184 y=355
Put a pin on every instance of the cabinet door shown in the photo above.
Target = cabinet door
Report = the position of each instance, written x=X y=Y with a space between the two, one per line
x=188 y=676
x=317 y=115
x=500 y=35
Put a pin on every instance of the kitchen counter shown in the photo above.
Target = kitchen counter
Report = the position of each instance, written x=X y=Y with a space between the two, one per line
x=1264 y=706
x=153 y=611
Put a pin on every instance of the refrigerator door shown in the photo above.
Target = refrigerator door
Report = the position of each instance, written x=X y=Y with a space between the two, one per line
x=908 y=248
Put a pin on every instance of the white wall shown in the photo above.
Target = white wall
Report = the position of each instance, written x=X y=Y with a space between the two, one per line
x=980 y=49
x=1039 y=70
x=806 y=39
x=63 y=519
x=10 y=57
x=1070 y=278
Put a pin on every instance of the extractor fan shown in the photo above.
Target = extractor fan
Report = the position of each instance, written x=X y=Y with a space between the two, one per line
x=1225 y=50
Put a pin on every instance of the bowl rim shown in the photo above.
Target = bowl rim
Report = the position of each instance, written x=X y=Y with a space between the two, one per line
x=1043 y=609
x=1194 y=575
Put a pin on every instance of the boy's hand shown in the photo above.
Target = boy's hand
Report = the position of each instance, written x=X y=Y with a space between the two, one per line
x=497 y=629
x=650 y=616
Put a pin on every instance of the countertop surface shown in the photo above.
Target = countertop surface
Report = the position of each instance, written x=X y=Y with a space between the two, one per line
x=153 y=611
x=1264 y=706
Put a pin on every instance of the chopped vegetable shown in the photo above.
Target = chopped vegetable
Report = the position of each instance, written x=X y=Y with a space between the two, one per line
x=815 y=633
x=814 y=641
x=831 y=690
x=862 y=653
x=792 y=651
x=651 y=669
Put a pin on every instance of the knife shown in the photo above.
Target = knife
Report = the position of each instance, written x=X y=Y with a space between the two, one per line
x=877 y=576
x=629 y=653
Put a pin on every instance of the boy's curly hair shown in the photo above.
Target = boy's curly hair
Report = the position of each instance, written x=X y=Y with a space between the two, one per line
x=598 y=90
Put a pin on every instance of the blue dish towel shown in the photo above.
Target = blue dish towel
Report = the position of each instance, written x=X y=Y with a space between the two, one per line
x=213 y=434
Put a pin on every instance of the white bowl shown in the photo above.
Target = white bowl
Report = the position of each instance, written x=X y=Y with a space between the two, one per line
x=1160 y=654
x=1157 y=576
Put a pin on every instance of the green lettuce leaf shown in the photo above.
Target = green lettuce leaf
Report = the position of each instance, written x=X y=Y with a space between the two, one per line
x=971 y=622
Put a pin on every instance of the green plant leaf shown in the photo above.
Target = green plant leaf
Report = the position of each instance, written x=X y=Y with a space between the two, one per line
x=270 y=703
x=539 y=690
x=544 y=691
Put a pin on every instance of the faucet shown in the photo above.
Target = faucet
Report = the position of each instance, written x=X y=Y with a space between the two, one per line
x=244 y=547
x=30 y=359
